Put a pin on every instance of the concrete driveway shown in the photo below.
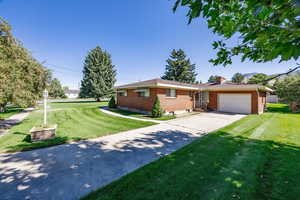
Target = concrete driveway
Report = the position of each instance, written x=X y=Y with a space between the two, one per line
x=70 y=171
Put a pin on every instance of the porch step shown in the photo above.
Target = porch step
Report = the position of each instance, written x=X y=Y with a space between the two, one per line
x=199 y=109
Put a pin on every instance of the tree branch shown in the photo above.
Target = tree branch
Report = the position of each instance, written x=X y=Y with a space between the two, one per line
x=286 y=73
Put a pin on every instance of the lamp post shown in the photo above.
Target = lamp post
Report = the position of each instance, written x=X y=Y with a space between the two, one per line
x=45 y=95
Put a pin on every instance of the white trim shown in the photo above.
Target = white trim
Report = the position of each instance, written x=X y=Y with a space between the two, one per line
x=141 y=90
x=170 y=97
x=176 y=86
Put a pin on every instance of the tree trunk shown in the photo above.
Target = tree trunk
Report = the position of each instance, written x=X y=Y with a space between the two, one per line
x=2 y=108
x=294 y=106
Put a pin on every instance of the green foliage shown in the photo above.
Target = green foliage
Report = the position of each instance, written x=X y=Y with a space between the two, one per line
x=179 y=68
x=56 y=90
x=156 y=109
x=213 y=79
x=99 y=75
x=237 y=78
x=288 y=89
x=267 y=29
x=65 y=88
x=112 y=102
x=258 y=79
x=22 y=78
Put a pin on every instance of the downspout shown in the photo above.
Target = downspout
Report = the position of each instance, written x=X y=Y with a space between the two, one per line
x=194 y=105
x=200 y=99
x=258 y=109
x=116 y=98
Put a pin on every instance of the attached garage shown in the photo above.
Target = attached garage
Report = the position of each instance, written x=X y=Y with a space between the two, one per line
x=234 y=103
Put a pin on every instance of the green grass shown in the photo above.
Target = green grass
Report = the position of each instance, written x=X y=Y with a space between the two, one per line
x=257 y=157
x=76 y=121
x=139 y=115
x=10 y=110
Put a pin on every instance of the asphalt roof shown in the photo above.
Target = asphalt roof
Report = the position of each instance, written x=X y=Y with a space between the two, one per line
x=209 y=86
x=157 y=81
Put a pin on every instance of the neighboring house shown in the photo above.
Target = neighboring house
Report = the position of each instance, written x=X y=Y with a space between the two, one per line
x=271 y=98
x=178 y=97
x=72 y=94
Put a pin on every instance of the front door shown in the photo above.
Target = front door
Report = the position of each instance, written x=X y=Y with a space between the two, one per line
x=201 y=99
x=197 y=100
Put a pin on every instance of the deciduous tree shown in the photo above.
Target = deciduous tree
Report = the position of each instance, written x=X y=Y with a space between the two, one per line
x=213 y=79
x=258 y=79
x=56 y=90
x=266 y=30
x=237 y=78
x=22 y=78
x=288 y=90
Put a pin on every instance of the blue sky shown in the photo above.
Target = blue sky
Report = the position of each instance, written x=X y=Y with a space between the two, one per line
x=139 y=34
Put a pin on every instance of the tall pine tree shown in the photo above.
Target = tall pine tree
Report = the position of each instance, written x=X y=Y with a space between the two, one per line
x=99 y=75
x=179 y=68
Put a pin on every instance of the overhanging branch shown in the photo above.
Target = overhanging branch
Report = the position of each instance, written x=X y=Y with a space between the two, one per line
x=286 y=73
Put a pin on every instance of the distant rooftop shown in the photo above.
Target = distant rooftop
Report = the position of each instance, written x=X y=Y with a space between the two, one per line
x=71 y=91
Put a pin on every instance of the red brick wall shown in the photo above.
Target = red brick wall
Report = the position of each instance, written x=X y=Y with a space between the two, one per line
x=132 y=100
x=183 y=101
x=213 y=99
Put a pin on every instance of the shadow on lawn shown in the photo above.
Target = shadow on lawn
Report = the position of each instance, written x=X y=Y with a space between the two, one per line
x=257 y=169
x=73 y=170
x=283 y=108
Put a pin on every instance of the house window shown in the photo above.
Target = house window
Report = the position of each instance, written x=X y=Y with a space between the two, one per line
x=122 y=93
x=143 y=92
x=171 y=93
x=190 y=93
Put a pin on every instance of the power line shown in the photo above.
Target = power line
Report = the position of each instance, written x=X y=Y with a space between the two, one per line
x=62 y=68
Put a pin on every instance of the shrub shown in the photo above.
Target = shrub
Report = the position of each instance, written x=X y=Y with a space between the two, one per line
x=156 y=109
x=112 y=102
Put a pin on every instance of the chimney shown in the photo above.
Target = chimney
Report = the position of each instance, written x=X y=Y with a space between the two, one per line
x=220 y=80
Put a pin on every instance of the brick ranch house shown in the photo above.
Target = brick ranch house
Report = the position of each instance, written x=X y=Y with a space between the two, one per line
x=176 y=97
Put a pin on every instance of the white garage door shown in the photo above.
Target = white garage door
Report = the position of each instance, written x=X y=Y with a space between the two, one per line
x=234 y=103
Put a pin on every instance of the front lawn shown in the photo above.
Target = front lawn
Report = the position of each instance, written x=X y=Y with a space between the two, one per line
x=10 y=110
x=257 y=157
x=76 y=121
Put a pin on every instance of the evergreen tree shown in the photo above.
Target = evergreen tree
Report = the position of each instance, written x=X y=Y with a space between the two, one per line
x=99 y=75
x=179 y=68
x=156 y=109
x=112 y=102
x=237 y=78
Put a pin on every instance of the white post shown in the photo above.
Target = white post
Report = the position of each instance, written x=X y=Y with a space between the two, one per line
x=45 y=107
